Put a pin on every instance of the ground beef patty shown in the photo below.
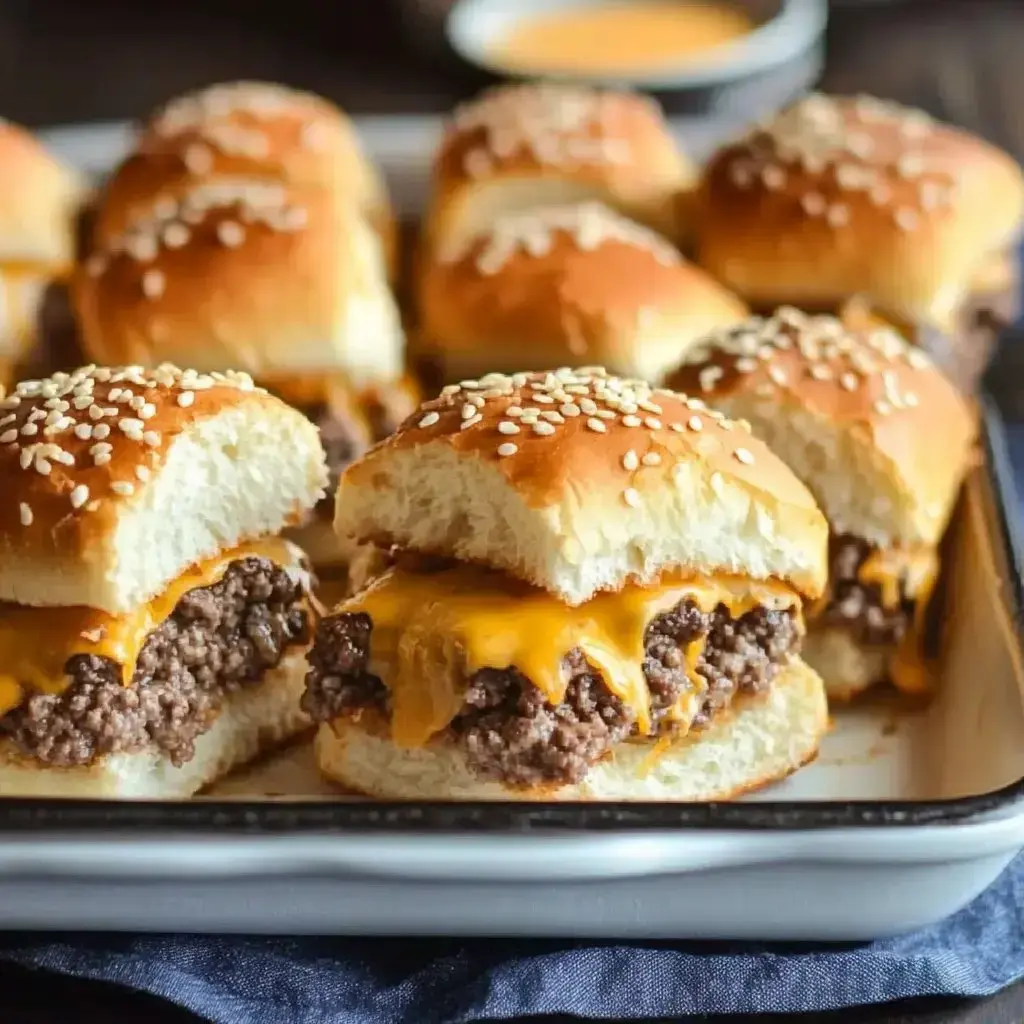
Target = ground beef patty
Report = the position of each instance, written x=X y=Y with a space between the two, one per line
x=510 y=732
x=857 y=607
x=218 y=640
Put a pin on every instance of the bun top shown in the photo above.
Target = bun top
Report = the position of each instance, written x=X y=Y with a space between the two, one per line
x=117 y=479
x=568 y=282
x=40 y=198
x=874 y=429
x=246 y=275
x=857 y=196
x=579 y=481
x=241 y=130
x=517 y=146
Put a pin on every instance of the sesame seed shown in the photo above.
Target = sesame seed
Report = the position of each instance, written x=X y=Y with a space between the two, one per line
x=744 y=456
x=777 y=374
x=631 y=497
x=543 y=428
x=26 y=514
x=507 y=427
x=123 y=487
x=230 y=233
x=42 y=467
x=910 y=400
x=101 y=459
x=542 y=398
x=8 y=436
x=129 y=426
x=653 y=423
x=506 y=449
x=186 y=398
x=883 y=408
x=630 y=461
x=469 y=410
x=29 y=430
x=695 y=423
x=153 y=283
x=151 y=438
x=631 y=421
x=588 y=405
x=596 y=425
x=146 y=411
x=569 y=410
x=79 y=496
x=83 y=431
x=651 y=459
x=100 y=431
x=848 y=381
x=471 y=422
x=746 y=365
x=142 y=472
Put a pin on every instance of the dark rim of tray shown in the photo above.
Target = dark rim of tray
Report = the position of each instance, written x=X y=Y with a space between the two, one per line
x=296 y=816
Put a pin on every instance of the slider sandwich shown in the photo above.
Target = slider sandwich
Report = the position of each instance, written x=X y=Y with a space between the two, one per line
x=559 y=284
x=596 y=595
x=241 y=131
x=883 y=440
x=840 y=199
x=40 y=201
x=154 y=626
x=519 y=146
x=290 y=288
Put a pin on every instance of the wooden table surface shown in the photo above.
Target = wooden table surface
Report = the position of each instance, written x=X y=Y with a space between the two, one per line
x=66 y=61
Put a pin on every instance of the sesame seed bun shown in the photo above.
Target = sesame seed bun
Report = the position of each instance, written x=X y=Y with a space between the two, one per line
x=247 y=276
x=564 y=283
x=878 y=434
x=238 y=131
x=758 y=741
x=843 y=196
x=519 y=146
x=252 y=721
x=579 y=482
x=41 y=197
x=119 y=479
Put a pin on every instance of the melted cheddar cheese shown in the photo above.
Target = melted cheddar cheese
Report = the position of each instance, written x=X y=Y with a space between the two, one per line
x=35 y=643
x=897 y=571
x=432 y=631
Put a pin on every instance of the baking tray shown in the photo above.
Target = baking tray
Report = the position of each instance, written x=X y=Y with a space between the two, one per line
x=908 y=813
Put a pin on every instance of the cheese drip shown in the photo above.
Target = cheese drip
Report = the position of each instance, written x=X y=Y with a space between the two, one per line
x=36 y=643
x=433 y=631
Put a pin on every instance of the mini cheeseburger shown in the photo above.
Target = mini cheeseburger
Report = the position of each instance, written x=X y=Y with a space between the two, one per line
x=154 y=627
x=883 y=440
x=596 y=595
x=543 y=144
x=41 y=202
x=290 y=289
x=244 y=131
x=853 y=198
x=562 y=284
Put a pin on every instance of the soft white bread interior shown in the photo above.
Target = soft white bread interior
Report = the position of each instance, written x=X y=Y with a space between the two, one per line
x=578 y=482
x=867 y=421
x=842 y=196
x=520 y=146
x=848 y=668
x=117 y=480
x=244 y=130
x=758 y=741
x=41 y=198
x=253 y=277
x=554 y=285
x=251 y=722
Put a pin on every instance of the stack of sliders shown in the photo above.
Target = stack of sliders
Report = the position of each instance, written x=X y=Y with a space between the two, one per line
x=544 y=144
x=42 y=199
x=288 y=286
x=840 y=200
x=597 y=596
x=244 y=131
x=154 y=626
x=883 y=440
x=557 y=285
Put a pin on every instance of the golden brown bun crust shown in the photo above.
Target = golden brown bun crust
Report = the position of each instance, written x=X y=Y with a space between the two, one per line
x=250 y=276
x=76 y=448
x=615 y=143
x=239 y=131
x=565 y=284
x=844 y=196
x=579 y=448
x=41 y=198
x=870 y=385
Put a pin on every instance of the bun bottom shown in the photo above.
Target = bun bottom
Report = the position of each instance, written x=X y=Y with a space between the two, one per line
x=251 y=722
x=759 y=741
x=847 y=668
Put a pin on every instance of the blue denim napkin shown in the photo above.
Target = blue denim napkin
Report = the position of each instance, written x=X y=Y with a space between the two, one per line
x=392 y=981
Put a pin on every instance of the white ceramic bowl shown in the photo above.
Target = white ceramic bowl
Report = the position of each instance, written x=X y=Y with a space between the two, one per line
x=473 y=27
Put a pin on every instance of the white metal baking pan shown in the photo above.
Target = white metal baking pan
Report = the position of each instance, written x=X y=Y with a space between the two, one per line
x=908 y=813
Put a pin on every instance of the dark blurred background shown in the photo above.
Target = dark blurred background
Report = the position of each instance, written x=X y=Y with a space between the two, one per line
x=71 y=60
